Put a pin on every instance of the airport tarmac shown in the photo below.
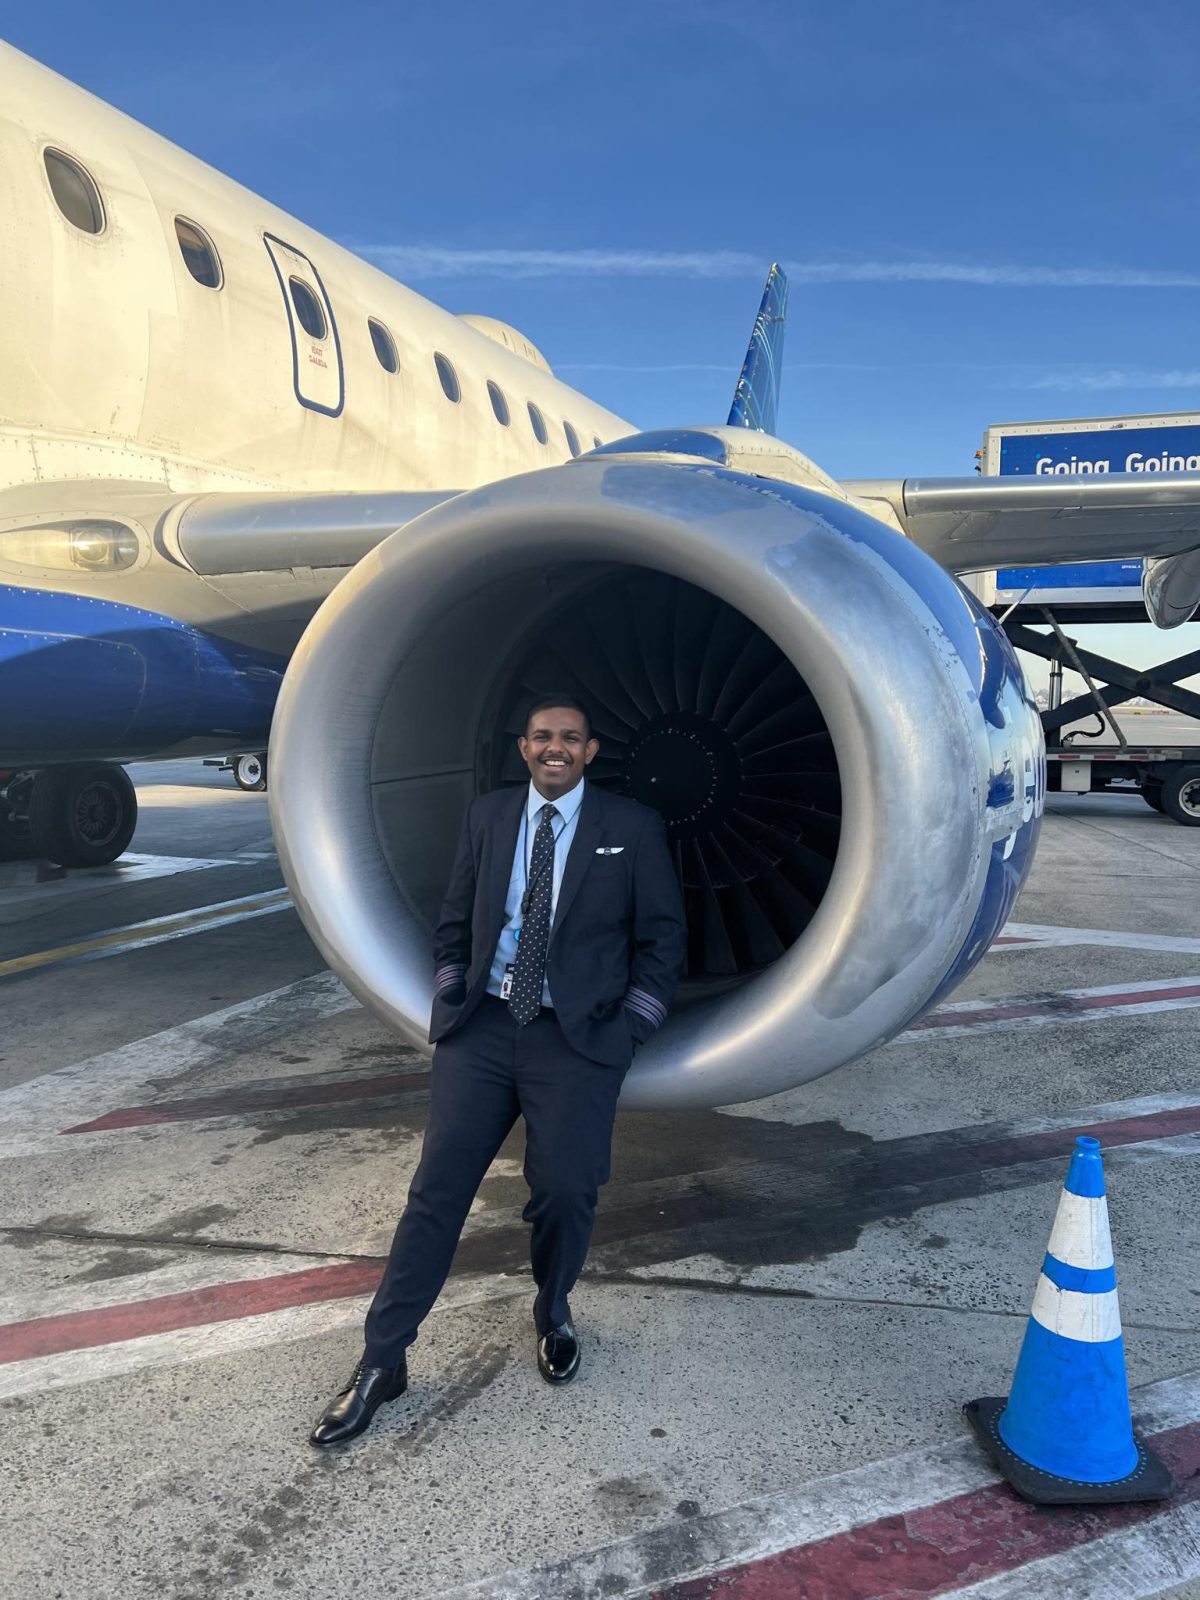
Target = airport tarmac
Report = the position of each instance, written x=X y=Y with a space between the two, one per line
x=206 y=1142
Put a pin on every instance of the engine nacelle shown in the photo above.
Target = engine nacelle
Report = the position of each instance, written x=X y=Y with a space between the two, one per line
x=838 y=736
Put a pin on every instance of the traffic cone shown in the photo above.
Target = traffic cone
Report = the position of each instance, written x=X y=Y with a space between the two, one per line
x=1064 y=1436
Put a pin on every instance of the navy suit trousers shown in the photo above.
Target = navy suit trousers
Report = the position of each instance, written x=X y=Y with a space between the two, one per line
x=485 y=1075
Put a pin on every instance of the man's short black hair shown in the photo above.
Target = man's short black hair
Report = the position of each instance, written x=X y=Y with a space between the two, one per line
x=569 y=701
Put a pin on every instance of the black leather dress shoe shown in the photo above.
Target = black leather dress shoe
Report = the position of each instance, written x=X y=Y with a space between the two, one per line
x=558 y=1354
x=357 y=1403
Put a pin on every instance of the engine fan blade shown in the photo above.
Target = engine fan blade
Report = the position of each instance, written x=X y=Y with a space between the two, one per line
x=695 y=613
x=775 y=693
x=708 y=928
x=755 y=661
x=591 y=656
x=726 y=643
x=612 y=625
x=702 y=716
x=653 y=607
x=756 y=940
x=802 y=716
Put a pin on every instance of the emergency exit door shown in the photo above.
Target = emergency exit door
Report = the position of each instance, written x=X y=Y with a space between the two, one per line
x=316 y=350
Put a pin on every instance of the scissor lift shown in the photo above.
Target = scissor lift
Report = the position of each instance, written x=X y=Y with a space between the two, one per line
x=1166 y=776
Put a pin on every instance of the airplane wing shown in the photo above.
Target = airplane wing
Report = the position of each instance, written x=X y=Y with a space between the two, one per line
x=970 y=524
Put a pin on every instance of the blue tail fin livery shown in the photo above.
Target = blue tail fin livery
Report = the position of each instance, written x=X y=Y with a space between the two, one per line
x=756 y=402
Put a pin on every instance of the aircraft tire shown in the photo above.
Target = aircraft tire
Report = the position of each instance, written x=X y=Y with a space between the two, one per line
x=1181 y=794
x=1151 y=793
x=82 y=816
x=250 y=772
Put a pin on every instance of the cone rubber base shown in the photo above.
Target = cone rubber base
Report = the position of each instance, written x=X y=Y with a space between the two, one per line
x=1149 y=1480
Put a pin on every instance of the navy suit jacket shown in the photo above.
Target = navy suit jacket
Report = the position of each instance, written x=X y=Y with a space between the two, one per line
x=618 y=938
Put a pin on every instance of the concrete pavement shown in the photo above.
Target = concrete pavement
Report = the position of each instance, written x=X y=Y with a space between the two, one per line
x=205 y=1142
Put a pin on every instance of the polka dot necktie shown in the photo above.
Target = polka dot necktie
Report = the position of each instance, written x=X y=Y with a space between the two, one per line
x=529 y=972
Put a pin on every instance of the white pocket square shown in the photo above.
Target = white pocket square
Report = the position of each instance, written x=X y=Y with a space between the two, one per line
x=609 y=849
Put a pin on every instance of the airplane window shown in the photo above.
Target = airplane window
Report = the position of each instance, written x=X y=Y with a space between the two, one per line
x=308 y=309
x=499 y=403
x=199 y=253
x=76 y=196
x=385 y=345
x=572 y=438
x=448 y=377
x=538 y=423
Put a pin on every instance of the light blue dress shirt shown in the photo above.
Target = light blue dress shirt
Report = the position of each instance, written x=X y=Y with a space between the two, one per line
x=564 y=832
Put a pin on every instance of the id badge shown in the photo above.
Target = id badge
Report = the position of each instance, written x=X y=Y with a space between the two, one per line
x=506 y=982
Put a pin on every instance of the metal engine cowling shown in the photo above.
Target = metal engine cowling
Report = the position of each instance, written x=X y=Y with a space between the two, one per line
x=839 y=738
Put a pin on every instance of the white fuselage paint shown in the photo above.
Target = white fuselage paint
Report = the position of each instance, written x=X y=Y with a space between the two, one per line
x=121 y=366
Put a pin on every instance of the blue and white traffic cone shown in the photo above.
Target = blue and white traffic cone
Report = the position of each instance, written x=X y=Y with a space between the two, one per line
x=1064 y=1436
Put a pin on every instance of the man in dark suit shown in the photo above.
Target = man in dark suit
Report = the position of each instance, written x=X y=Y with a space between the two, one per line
x=560 y=943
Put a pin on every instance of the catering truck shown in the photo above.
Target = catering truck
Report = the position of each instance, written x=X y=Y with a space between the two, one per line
x=1167 y=773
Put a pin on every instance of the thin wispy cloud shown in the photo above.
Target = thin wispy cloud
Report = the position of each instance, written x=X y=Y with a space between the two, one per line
x=621 y=366
x=722 y=367
x=985 y=276
x=436 y=261
x=1003 y=375
x=425 y=262
x=1118 y=378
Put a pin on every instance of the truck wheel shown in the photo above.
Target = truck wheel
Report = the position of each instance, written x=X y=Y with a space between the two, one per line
x=1151 y=792
x=82 y=816
x=1181 y=795
x=250 y=772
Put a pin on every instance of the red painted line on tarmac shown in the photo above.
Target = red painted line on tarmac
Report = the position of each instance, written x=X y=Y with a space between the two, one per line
x=239 y=1101
x=1013 y=938
x=1131 y=1130
x=223 y=1302
x=940 y=1548
x=79 y=1330
x=1057 y=1005
x=1011 y=1151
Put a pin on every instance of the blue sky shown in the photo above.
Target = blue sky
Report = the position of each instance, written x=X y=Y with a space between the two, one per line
x=988 y=211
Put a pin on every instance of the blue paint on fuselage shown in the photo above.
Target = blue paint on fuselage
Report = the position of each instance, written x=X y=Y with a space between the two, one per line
x=80 y=675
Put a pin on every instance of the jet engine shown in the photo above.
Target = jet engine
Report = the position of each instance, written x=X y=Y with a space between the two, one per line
x=837 y=735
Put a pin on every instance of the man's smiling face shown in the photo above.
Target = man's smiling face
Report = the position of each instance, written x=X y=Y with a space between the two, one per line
x=556 y=747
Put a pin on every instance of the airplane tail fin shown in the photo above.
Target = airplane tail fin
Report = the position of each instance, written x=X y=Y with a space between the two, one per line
x=756 y=401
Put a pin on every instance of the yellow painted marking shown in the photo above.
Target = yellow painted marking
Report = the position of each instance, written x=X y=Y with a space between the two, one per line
x=155 y=931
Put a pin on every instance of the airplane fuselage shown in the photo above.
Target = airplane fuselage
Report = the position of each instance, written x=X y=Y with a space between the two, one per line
x=276 y=361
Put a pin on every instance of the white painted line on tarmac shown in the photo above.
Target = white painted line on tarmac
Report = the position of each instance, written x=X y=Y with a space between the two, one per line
x=1057 y=1009
x=96 y=1363
x=1147 y=1559
x=155 y=930
x=35 y=1111
x=1145 y=1105
x=662 y=1558
x=24 y=883
x=74 y=1367
x=1046 y=934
